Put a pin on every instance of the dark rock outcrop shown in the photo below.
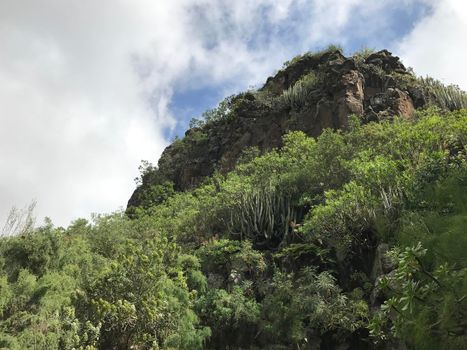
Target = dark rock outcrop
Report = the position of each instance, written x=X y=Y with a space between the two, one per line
x=368 y=89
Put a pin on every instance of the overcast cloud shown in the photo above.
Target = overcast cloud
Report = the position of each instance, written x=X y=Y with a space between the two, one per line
x=85 y=86
x=437 y=45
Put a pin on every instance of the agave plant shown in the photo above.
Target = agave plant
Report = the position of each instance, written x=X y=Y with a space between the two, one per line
x=263 y=214
x=446 y=96
x=298 y=94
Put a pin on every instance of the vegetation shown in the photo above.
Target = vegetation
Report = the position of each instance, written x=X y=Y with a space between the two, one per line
x=222 y=111
x=449 y=97
x=278 y=254
x=19 y=221
x=354 y=239
x=298 y=94
x=316 y=54
x=361 y=55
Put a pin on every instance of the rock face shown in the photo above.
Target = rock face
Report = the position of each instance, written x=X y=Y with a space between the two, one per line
x=369 y=89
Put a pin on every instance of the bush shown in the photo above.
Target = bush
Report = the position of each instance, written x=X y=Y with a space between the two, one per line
x=308 y=303
x=221 y=112
x=361 y=55
x=299 y=94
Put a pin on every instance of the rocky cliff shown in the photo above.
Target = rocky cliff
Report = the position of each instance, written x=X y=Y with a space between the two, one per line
x=313 y=92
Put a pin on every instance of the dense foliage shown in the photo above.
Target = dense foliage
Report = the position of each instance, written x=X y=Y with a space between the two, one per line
x=352 y=239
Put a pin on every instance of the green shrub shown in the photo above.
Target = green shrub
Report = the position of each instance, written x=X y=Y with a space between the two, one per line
x=234 y=316
x=222 y=256
x=361 y=55
x=308 y=303
x=299 y=94
x=221 y=112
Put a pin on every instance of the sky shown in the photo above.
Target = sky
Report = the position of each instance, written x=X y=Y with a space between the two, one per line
x=90 y=88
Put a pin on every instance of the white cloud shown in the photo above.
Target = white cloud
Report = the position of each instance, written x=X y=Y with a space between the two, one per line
x=74 y=116
x=436 y=46
x=85 y=88
x=85 y=85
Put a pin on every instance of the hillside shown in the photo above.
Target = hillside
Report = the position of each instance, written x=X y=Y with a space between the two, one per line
x=311 y=93
x=325 y=210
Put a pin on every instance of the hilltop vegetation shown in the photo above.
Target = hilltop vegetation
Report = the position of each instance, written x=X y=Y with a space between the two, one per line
x=313 y=92
x=350 y=239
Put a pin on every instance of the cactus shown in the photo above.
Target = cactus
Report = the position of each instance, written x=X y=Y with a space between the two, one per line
x=446 y=96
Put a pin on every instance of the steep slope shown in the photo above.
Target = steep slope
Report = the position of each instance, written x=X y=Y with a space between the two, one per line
x=314 y=92
x=350 y=240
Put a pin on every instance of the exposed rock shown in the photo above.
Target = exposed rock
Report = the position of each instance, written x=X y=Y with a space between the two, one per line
x=386 y=61
x=382 y=264
x=390 y=103
x=402 y=103
x=350 y=97
x=368 y=90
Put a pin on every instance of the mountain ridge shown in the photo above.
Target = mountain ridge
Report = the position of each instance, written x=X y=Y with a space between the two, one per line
x=311 y=93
